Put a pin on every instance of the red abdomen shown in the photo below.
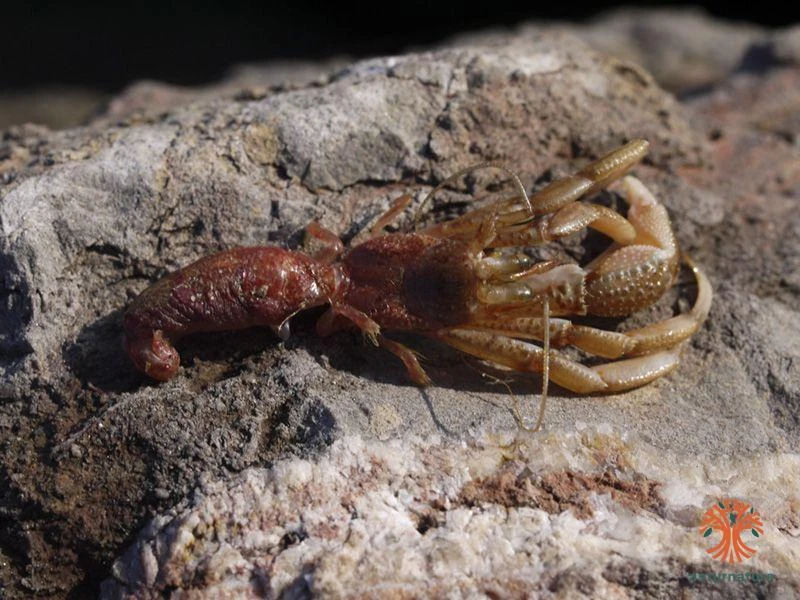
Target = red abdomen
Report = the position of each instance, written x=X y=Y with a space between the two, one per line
x=233 y=289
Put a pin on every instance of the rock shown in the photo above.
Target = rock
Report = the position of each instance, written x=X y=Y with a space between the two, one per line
x=252 y=81
x=753 y=100
x=581 y=515
x=786 y=45
x=91 y=216
x=683 y=48
x=56 y=107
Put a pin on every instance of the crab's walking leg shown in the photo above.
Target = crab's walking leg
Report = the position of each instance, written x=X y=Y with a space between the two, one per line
x=398 y=206
x=337 y=315
x=415 y=371
x=608 y=344
x=332 y=247
x=334 y=319
x=330 y=321
x=513 y=215
x=567 y=220
x=569 y=374
x=592 y=178
x=522 y=356
x=631 y=373
x=671 y=332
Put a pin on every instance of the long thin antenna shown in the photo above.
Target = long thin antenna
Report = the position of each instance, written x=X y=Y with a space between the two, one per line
x=461 y=173
x=545 y=367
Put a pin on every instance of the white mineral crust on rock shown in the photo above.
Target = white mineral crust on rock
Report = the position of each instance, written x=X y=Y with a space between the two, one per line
x=565 y=515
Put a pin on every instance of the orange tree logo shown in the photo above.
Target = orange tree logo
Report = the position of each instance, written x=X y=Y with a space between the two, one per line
x=731 y=518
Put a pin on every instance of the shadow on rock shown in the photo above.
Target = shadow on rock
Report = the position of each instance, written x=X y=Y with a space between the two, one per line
x=97 y=359
x=446 y=366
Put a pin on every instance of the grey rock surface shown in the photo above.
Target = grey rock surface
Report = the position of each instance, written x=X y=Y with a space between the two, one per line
x=684 y=48
x=91 y=216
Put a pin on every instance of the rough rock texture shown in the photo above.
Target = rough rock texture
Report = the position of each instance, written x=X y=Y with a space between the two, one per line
x=90 y=450
x=54 y=106
x=60 y=107
x=682 y=47
x=574 y=515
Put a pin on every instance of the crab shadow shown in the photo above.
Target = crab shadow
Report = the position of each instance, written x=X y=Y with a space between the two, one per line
x=447 y=367
x=449 y=370
x=96 y=358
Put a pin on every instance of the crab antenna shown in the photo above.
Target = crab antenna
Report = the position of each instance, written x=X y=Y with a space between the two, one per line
x=545 y=366
x=470 y=169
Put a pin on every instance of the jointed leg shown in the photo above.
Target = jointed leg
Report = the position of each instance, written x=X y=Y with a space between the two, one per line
x=415 y=371
x=519 y=228
x=592 y=178
x=337 y=316
x=509 y=321
x=522 y=356
x=567 y=220
x=671 y=332
x=332 y=247
x=515 y=225
x=331 y=321
x=398 y=206
x=608 y=344
x=631 y=373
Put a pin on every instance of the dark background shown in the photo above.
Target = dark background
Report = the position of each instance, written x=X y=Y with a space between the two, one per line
x=106 y=46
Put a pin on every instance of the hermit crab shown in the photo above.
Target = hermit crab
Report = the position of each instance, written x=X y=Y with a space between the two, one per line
x=465 y=282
